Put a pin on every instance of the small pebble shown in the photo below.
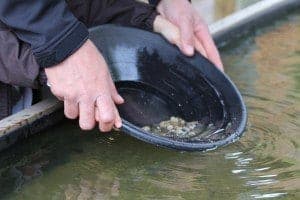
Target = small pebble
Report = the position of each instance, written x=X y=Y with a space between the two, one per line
x=178 y=128
x=146 y=128
x=192 y=133
x=186 y=129
x=163 y=124
x=174 y=120
x=170 y=127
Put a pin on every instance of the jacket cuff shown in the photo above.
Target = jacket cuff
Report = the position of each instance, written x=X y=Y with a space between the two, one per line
x=149 y=23
x=73 y=40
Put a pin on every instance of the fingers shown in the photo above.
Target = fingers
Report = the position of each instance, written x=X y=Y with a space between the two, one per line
x=114 y=93
x=199 y=47
x=78 y=80
x=168 y=30
x=86 y=114
x=118 y=121
x=182 y=36
x=71 y=109
x=187 y=35
x=204 y=37
x=193 y=34
x=97 y=113
x=105 y=112
x=106 y=115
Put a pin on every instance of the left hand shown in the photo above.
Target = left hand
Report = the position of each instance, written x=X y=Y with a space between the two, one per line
x=193 y=30
x=171 y=33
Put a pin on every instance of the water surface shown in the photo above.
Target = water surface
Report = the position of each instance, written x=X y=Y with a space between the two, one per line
x=66 y=163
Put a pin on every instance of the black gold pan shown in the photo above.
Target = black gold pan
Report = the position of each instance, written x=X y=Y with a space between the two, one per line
x=158 y=82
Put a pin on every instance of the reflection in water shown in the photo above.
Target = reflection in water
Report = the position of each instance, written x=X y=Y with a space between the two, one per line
x=65 y=163
x=271 y=90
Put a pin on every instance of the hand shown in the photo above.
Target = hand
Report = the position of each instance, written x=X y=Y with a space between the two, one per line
x=171 y=33
x=84 y=83
x=194 y=33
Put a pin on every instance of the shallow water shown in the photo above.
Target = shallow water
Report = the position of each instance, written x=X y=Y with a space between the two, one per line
x=65 y=163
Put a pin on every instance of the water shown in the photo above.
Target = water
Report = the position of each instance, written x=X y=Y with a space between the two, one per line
x=66 y=163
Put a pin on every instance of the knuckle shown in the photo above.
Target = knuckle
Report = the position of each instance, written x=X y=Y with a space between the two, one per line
x=71 y=96
x=86 y=99
x=88 y=112
x=201 y=26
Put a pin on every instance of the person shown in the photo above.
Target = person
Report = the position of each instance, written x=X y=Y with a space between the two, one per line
x=53 y=36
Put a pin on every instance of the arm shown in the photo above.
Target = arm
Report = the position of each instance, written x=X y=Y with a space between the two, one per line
x=26 y=69
x=48 y=26
x=77 y=72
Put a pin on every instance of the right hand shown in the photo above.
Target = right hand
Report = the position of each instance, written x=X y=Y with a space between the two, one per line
x=84 y=83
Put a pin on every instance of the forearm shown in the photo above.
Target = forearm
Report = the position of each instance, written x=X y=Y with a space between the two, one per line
x=47 y=26
x=21 y=68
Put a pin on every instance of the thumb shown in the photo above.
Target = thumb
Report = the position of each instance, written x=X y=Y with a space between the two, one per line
x=116 y=97
x=187 y=35
x=168 y=30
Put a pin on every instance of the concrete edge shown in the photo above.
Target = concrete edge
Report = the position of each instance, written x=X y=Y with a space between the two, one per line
x=30 y=121
x=49 y=111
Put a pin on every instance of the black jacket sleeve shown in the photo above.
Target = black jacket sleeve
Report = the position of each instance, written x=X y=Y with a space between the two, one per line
x=154 y=2
x=47 y=26
x=123 y=12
